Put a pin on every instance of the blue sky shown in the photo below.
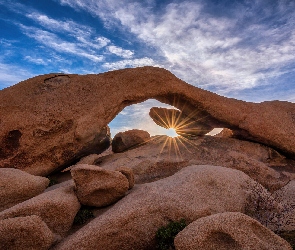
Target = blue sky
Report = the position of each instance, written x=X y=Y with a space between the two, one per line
x=241 y=49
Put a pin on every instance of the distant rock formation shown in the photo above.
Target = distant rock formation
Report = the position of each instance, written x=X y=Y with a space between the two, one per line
x=50 y=121
x=130 y=138
x=162 y=156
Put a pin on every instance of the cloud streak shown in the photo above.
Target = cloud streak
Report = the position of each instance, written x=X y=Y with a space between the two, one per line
x=223 y=52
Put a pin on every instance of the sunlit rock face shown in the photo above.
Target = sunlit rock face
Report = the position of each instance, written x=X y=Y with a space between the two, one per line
x=50 y=121
x=163 y=156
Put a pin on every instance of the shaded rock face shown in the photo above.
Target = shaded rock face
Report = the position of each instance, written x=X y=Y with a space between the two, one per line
x=128 y=172
x=52 y=120
x=57 y=208
x=193 y=192
x=98 y=187
x=230 y=230
x=125 y=140
x=18 y=186
x=28 y=232
x=163 y=156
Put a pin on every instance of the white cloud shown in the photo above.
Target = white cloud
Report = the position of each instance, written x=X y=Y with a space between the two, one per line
x=39 y=61
x=137 y=116
x=130 y=63
x=60 y=26
x=53 y=41
x=11 y=74
x=120 y=52
x=82 y=33
x=207 y=50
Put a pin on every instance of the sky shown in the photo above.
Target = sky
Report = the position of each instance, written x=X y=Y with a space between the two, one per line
x=244 y=49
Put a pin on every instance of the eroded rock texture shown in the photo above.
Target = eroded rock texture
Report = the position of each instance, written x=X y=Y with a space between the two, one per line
x=224 y=231
x=192 y=193
x=50 y=121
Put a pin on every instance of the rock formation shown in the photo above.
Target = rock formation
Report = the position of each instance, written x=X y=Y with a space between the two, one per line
x=56 y=208
x=28 y=232
x=125 y=140
x=98 y=187
x=49 y=121
x=163 y=156
x=18 y=186
x=128 y=172
x=184 y=125
x=193 y=192
x=224 y=231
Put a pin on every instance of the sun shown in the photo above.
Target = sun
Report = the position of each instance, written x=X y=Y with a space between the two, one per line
x=171 y=132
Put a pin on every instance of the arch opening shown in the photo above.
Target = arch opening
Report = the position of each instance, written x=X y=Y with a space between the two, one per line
x=136 y=116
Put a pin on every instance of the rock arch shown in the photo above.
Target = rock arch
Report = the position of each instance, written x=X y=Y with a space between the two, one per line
x=66 y=117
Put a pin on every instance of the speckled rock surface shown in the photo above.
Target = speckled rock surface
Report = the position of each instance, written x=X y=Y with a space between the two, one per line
x=17 y=186
x=98 y=187
x=130 y=138
x=28 y=232
x=193 y=192
x=163 y=156
x=224 y=231
x=128 y=172
x=57 y=208
x=51 y=120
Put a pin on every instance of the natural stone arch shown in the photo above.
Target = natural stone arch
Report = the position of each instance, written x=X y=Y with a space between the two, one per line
x=61 y=120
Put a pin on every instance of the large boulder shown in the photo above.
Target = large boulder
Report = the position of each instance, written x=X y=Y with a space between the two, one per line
x=57 y=208
x=231 y=230
x=18 y=186
x=125 y=140
x=50 y=121
x=192 y=193
x=163 y=156
x=28 y=232
x=98 y=187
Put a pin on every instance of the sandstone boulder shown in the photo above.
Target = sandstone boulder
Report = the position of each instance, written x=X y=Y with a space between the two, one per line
x=57 y=208
x=231 y=230
x=28 y=232
x=286 y=197
x=163 y=156
x=39 y=136
x=98 y=187
x=128 y=174
x=125 y=140
x=193 y=192
x=18 y=186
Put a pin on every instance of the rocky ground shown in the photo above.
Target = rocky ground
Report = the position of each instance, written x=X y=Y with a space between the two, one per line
x=66 y=184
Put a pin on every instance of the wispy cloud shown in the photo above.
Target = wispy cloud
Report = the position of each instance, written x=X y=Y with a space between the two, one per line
x=9 y=77
x=120 y=52
x=35 y=60
x=230 y=52
x=130 y=63
x=53 y=41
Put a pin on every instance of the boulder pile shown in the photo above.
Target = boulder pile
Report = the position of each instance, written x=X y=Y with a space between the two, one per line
x=234 y=190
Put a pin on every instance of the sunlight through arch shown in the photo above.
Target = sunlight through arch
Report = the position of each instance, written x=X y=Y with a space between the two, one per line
x=171 y=133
